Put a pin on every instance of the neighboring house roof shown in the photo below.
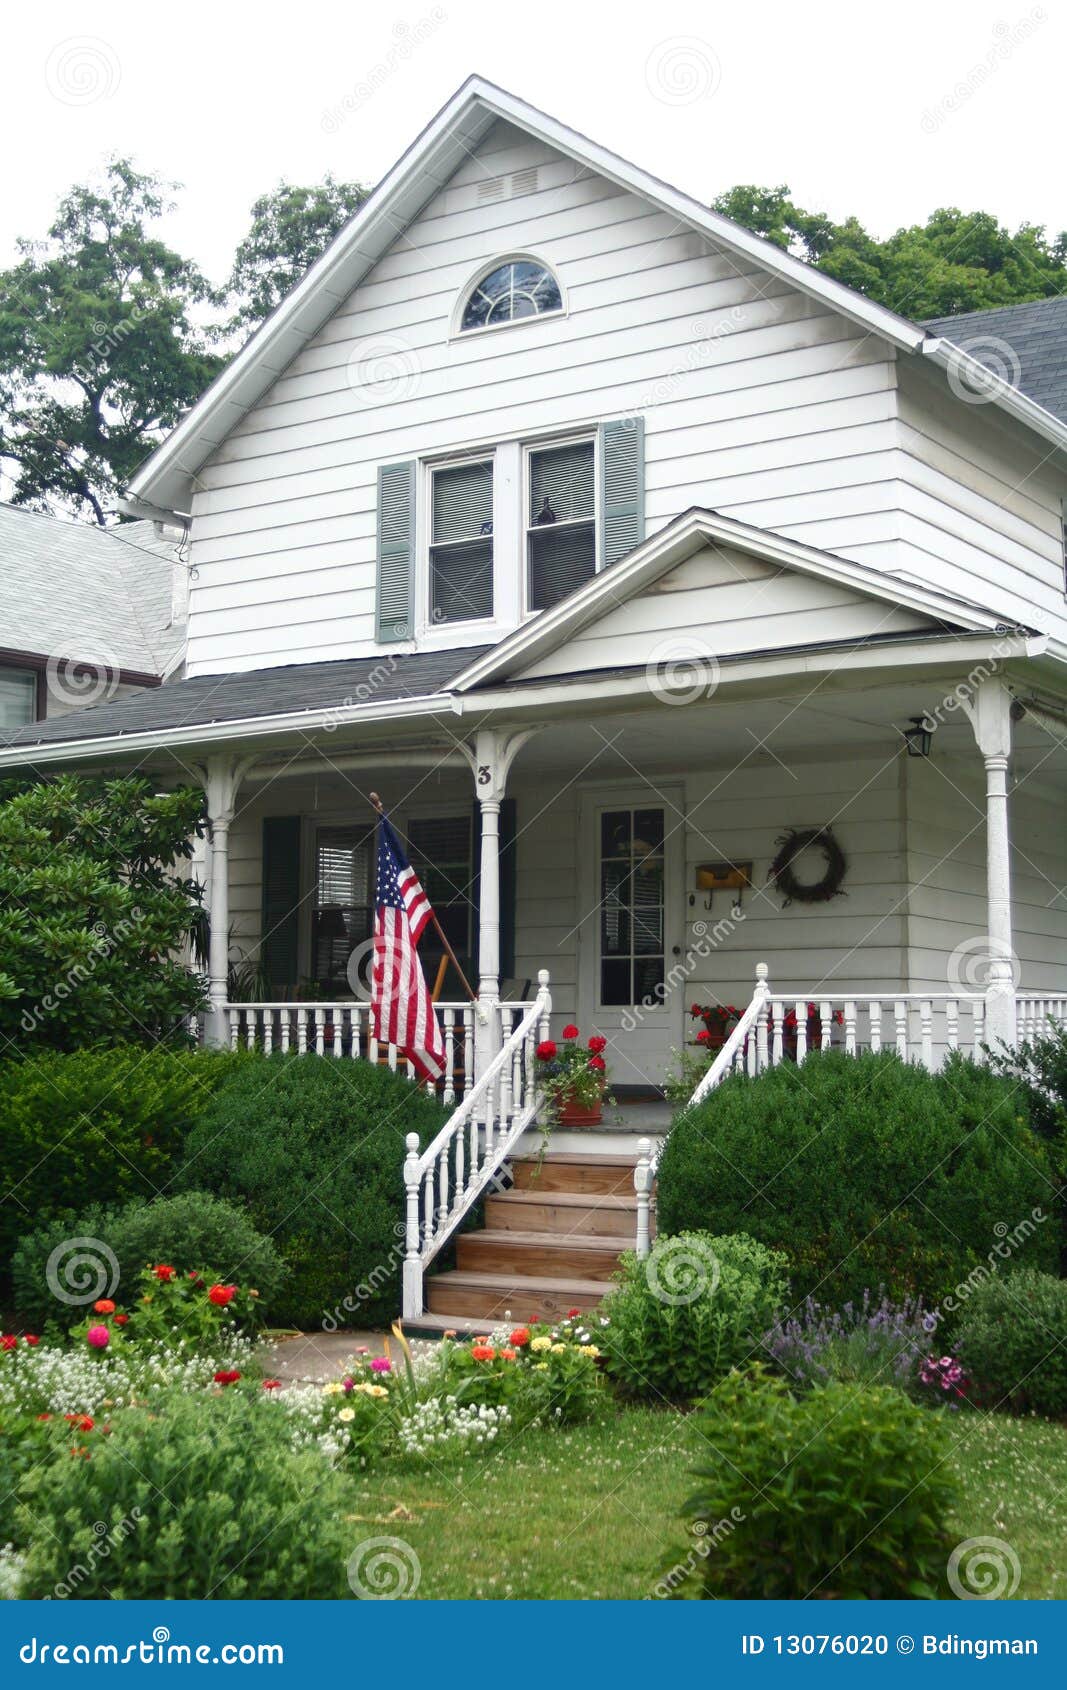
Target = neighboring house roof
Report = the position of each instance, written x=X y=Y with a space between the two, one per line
x=1025 y=343
x=96 y=595
x=165 y=481
x=252 y=693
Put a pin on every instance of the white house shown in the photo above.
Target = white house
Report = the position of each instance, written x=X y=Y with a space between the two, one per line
x=614 y=547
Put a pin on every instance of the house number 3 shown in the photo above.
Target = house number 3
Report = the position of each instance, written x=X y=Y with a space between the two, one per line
x=484 y=777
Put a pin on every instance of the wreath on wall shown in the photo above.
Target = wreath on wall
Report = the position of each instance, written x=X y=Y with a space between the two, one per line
x=782 y=871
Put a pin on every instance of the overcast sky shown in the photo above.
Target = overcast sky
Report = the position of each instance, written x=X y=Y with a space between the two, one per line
x=885 y=111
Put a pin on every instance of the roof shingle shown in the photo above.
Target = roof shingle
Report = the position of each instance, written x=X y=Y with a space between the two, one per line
x=1026 y=344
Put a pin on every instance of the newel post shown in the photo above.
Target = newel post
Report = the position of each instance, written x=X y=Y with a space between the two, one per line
x=643 y=1188
x=412 y=1239
x=990 y=716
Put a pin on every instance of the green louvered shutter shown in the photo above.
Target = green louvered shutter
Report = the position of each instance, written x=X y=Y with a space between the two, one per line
x=281 y=902
x=622 y=488
x=396 y=552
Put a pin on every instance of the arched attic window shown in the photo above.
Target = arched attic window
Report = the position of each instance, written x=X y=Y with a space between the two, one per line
x=509 y=292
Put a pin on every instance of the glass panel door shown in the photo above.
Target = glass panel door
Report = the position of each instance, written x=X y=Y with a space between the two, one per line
x=632 y=906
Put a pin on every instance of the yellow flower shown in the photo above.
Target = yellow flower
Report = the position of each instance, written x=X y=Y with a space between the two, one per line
x=369 y=1390
x=540 y=1367
x=333 y=1389
x=559 y=1349
x=588 y=1350
x=347 y=1414
x=541 y=1343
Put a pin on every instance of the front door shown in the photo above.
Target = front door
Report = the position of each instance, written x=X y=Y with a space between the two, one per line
x=633 y=851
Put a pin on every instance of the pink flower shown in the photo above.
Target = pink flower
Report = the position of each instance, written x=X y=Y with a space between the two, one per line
x=381 y=1364
x=99 y=1337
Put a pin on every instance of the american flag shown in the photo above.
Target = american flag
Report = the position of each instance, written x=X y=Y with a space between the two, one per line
x=402 y=1013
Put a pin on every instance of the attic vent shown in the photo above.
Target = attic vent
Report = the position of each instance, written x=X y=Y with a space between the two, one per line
x=524 y=181
x=492 y=189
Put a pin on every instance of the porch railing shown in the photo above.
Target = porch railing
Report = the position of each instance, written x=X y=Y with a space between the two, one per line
x=775 y=1027
x=344 y=1030
x=443 y=1182
x=1038 y=1013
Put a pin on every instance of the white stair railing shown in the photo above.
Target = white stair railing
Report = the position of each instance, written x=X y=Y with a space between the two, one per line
x=444 y=1182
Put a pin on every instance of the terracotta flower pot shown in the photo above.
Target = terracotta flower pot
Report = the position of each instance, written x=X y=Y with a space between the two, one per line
x=572 y=1114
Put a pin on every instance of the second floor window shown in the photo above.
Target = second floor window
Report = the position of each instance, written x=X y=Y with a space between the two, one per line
x=461 y=543
x=18 y=698
x=560 y=522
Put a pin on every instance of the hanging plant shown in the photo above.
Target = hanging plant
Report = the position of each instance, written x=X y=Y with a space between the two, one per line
x=791 y=847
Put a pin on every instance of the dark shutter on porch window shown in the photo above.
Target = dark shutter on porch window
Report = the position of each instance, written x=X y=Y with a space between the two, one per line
x=508 y=885
x=281 y=902
x=622 y=488
x=396 y=552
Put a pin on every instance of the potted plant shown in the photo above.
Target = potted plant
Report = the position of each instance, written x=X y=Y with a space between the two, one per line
x=813 y=1029
x=719 y=1021
x=573 y=1078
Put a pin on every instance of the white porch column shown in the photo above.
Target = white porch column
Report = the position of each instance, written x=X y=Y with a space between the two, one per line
x=990 y=716
x=222 y=776
x=490 y=757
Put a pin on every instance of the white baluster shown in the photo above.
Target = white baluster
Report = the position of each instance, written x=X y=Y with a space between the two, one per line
x=442 y=1186
x=874 y=1015
x=320 y=1031
x=268 y=1031
x=468 y=1047
x=285 y=1028
x=448 y=1032
x=826 y=1025
x=472 y=1137
x=428 y=1228
x=926 y=1034
x=777 y=1037
x=235 y=1028
x=978 y=1028
x=900 y=1016
x=850 y=1027
x=761 y=1038
x=301 y=1030
x=800 y=1009
x=250 y=1028
x=952 y=1024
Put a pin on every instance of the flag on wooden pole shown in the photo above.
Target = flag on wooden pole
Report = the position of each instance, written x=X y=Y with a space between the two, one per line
x=402 y=1012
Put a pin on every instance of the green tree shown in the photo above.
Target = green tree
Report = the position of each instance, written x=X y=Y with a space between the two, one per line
x=94 y=911
x=954 y=262
x=99 y=350
x=290 y=228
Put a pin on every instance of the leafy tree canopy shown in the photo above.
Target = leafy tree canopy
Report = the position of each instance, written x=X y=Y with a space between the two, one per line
x=100 y=352
x=290 y=228
x=954 y=262
x=94 y=912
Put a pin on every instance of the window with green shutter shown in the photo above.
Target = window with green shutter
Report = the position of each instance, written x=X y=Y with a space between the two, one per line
x=461 y=542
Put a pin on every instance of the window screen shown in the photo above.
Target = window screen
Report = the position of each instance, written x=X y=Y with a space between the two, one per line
x=561 y=525
x=461 y=546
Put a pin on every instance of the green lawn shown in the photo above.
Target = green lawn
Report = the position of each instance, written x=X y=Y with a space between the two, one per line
x=593 y=1511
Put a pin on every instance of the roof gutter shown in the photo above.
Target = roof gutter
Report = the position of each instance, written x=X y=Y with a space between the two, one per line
x=981 y=385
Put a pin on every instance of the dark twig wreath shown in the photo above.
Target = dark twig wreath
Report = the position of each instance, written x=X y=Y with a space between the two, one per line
x=791 y=845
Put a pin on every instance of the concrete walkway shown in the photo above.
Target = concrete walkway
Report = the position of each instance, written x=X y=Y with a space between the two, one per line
x=317 y=1357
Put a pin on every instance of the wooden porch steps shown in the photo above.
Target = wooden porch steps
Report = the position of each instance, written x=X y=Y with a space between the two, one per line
x=551 y=1242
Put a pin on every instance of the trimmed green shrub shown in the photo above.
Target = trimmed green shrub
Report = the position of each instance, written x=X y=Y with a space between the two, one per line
x=837 y=1493
x=91 y=1125
x=195 y=1229
x=314 y=1150
x=867 y=1171
x=204 y=1497
x=688 y=1313
x=1012 y=1342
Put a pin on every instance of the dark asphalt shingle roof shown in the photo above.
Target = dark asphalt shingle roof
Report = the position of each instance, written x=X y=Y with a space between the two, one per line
x=1026 y=344
x=204 y=699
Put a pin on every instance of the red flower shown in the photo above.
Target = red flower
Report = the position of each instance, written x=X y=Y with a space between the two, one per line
x=194 y=1276
x=695 y=1009
x=546 y=1050
x=573 y=1313
x=163 y=1273
x=229 y=1377
x=483 y=1352
x=121 y=1319
x=31 y=1338
x=703 y=1037
x=104 y=1306
x=8 y=1341
x=83 y=1422
x=271 y=1384
x=598 y=1063
x=570 y=1031
x=44 y=1417
x=598 y=1043
x=220 y=1295
x=520 y=1336
x=510 y=1355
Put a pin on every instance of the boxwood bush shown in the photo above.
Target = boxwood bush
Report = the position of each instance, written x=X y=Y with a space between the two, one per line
x=867 y=1171
x=202 y=1497
x=84 y=1127
x=1012 y=1341
x=194 y=1229
x=839 y=1493
x=692 y=1310
x=314 y=1150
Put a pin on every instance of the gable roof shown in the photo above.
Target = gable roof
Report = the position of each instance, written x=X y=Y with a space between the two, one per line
x=100 y=595
x=1030 y=339
x=680 y=539
x=165 y=482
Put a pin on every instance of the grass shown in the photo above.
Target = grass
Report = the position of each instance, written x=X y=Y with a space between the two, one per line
x=593 y=1512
